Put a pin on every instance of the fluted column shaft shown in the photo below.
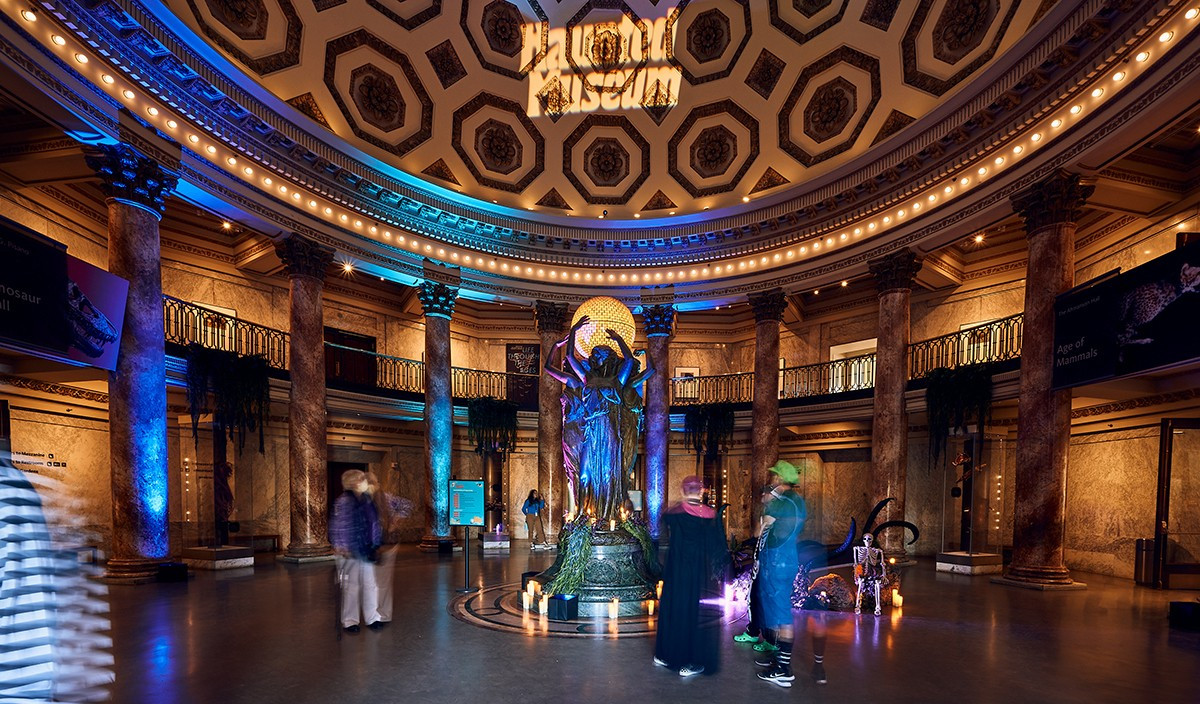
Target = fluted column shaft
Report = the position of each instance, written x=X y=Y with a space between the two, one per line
x=658 y=322
x=1051 y=210
x=438 y=299
x=889 y=427
x=137 y=390
x=764 y=432
x=306 y=262
x=552 y=482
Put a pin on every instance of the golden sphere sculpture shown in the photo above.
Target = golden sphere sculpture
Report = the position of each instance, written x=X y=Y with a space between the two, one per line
x=604 y=312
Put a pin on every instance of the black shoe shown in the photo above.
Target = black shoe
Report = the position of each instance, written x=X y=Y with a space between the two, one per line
x=818 y=674
x=376 y=626
x=779 y=675
x=351 y=629
x=764 y=659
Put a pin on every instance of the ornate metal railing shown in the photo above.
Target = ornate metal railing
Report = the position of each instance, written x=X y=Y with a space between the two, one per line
x=996 y=341
x=366 y=368
x=477 y=383
x=721 y=388
x=186 y=323
x=833 y=377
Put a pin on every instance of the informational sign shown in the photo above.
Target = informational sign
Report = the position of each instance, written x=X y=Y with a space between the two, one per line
x=56 y=305
x=466 y=502
x=1132 y=322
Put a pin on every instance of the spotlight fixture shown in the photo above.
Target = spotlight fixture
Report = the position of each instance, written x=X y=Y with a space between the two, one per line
x=845 y=283
x=347 y=267
x=979 y=239
x=226 y=225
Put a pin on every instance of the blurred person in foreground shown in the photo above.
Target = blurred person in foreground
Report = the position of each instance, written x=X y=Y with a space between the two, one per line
x=779 y=562
x=390 y=511
x=53 y=620
x=356 y=536
x=754 y=632
x=687 y=639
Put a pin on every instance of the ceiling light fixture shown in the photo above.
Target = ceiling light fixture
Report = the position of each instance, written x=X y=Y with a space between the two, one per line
x=58 y=40
x=29 y=15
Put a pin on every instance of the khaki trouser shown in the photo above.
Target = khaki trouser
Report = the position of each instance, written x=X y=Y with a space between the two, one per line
x=385 y=571
x=534 y=521
x=357 y=578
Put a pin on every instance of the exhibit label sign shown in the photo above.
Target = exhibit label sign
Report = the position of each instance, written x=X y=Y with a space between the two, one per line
x=466 y=502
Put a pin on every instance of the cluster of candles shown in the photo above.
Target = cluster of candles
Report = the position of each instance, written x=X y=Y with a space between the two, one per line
x=533 y=591
x=897 y=600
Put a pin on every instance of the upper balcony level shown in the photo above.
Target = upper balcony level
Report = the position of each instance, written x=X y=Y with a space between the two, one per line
x=853 y=378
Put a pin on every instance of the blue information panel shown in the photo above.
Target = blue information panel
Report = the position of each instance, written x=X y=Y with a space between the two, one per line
x=466 y=502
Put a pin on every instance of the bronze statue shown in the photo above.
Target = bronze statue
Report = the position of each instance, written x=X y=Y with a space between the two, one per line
x=602 y=419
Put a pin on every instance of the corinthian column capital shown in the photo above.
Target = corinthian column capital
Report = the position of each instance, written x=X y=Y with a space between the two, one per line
x=1054 y=200
x=437 y=299
x=768 y=305
x=659 y=320
x=895 y=271
x=127 y=176
x=551 y=317
x=303 y=257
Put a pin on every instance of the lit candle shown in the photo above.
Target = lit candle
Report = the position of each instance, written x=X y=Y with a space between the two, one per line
x=892 y=560
x=612 y=524
x=895 y=593
x=530 y=587
x=613 y=608
x=897 y=601
x=658 y=590
x=544 y=605
x=526 y=599
x=650 y=607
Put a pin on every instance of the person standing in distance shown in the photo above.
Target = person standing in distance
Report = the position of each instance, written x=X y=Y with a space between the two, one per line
x=532 y=508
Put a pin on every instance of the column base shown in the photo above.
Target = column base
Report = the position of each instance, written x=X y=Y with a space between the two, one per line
x=438 y=543
x=304 y=553
x=1039 y=578
x=136 y=570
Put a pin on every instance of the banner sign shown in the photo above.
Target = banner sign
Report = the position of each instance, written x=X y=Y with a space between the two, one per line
x=522 y=359
x=1136 y=321
x=57 y=305
x=466 y=502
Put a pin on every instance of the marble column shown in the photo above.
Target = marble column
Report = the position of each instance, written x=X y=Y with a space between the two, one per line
x=1050 y=209
x=552 y=483
x=894 y=276
x=764 y=431
x=308 y=475
x=437 y=300
x=658 y=322
x=136 y=188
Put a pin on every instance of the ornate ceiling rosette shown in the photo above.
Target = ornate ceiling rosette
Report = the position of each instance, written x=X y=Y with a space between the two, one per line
x=606 y=159
x=713 y=148
x=830 y=103
x=508 y=36
x=378 y=91
x=707 y=38
x=498 y=142
x=948 y=40
x=607 y=45
x=262 y=35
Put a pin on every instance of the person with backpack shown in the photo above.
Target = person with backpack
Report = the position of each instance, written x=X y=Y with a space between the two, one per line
x=356 y=535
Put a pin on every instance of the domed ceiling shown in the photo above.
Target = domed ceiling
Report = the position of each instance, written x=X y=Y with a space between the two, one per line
x=603 y=108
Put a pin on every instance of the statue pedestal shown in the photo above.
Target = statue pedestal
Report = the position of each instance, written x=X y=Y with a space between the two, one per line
x=616 y=568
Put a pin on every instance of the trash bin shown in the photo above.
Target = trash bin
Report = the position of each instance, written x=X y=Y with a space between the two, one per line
x=1143 y=561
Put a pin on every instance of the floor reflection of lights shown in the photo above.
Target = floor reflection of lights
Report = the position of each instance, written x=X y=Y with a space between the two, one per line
x=498 y=608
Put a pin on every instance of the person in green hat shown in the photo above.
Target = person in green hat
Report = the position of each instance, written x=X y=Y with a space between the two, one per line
x=783 y=521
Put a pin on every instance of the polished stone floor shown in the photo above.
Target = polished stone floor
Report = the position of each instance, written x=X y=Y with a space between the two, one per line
x=268 y=635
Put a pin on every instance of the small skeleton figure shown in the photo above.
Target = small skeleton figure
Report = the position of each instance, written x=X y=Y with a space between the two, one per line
x=869 y=571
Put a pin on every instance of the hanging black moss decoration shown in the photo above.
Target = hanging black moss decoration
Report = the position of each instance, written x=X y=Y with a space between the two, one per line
x=492 y=425
x=235 y=389
x=708 y=427
x=955 y=398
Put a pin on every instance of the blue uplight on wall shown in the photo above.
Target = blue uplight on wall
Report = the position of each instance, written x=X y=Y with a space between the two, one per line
x=440 y=428
x=655 y=475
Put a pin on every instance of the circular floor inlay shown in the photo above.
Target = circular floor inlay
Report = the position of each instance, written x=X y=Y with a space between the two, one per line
x=498 y=608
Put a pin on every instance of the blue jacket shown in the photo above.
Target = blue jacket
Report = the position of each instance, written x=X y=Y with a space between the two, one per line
x=533 y=508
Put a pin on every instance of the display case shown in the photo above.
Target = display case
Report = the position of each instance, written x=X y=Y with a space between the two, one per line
x=975 y=518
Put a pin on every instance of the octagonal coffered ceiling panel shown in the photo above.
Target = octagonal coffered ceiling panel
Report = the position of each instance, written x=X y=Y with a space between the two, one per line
x=610 y=104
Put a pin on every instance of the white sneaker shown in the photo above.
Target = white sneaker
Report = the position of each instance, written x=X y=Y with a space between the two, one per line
x=689 y=670
x=660 y=663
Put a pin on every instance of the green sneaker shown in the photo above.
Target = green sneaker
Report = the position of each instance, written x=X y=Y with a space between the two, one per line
x=744 y=637
x=765 y=647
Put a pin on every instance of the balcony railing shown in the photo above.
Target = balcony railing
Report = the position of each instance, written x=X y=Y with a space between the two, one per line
x=186 y=323
x=722 y=388
x=997 y=341
x=832 y=377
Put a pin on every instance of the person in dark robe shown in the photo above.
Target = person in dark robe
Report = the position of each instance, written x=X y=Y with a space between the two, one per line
x=689 y=631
